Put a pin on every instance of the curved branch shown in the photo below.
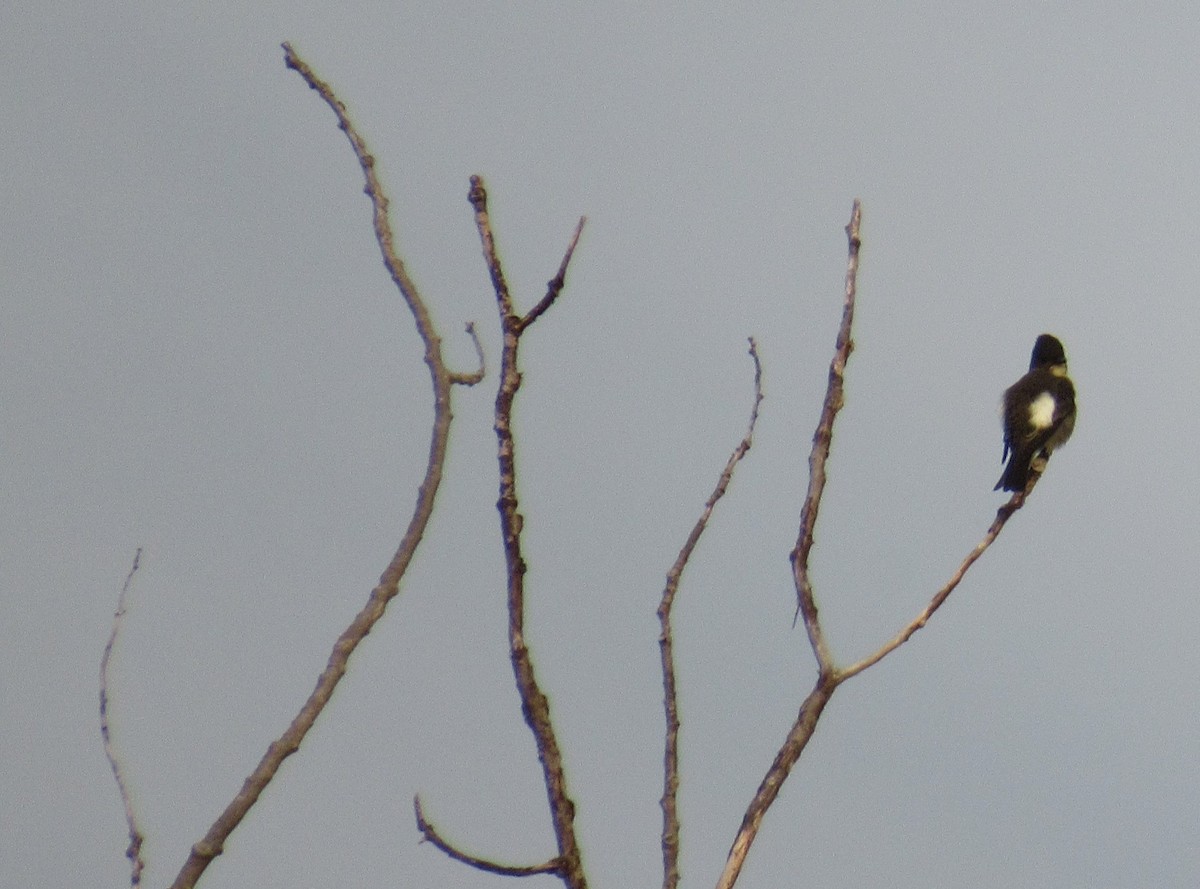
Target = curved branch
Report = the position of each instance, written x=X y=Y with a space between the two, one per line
x=670 y=830
x=475 y=376
x=212 y=844
x=134 y=851
x=806 y=605
x=430 y=834
x=534 y=705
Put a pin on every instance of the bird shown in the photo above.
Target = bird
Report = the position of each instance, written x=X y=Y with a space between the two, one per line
x=1039 y=413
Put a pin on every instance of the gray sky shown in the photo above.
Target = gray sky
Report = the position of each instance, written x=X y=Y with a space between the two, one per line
x=201 y=354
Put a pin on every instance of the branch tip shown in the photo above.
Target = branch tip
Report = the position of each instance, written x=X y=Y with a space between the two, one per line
x=854 y=226
x=136 y=838
x=476 y=376
x=555 y=285
x=478 y=194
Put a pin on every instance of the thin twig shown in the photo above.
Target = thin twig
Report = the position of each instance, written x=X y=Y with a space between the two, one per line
x=534 y=704
x=212 y=844
x=134 y=852
x=1003 y=514
x=475 y=376
x=430 y=834
x=806 y=605
x=669 y=801
x=555 y=285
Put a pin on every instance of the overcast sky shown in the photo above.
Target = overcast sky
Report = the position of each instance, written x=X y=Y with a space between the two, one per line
x=202 y=355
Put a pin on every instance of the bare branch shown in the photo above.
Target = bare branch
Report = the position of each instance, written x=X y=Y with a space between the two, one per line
x=430 y=834
x=379 y=202
x=555 y=285
x=670 y=831
x=212 y=844
x=476 y=376
x=806 y=605
x=478 y=199
x=534 y=704
x=797 y=739
x=830 y=677
x=134 y=852
x=827 y=683
x=1003 y=514
x=827 y=679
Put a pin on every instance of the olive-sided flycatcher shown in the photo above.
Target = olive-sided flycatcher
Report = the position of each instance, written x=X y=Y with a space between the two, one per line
x=1039 y=412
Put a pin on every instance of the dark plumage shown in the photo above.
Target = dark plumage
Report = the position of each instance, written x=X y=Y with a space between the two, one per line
x=1039 y=412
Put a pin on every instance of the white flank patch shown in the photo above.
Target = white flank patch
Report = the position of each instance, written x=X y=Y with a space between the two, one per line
x=1041 y=412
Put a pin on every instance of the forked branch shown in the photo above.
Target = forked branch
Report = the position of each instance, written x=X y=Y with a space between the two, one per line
x=534 y=704
x=535 y=707
x=567 y=864
x=814 y=704
x=829 y=675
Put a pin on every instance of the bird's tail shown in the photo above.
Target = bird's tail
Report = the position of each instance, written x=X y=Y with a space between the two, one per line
x=1016 y=473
